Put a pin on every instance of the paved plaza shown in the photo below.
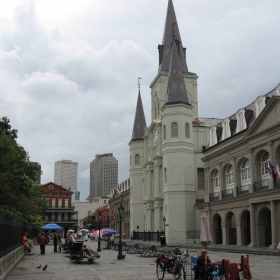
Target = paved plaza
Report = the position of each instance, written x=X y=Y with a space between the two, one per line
x=108 y=267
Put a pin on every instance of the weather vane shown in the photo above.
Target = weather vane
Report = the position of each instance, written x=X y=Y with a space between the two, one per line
x=139 y=78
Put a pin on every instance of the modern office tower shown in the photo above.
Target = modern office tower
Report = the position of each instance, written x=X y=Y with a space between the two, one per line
x=103 y=175
x=66 y=174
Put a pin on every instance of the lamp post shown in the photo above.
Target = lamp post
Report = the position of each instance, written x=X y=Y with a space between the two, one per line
x=164 y=220
x=120 y=255
x=99 y=216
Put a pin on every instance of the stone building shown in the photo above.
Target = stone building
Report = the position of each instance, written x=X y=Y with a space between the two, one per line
x=166 y=170
x=242 y=199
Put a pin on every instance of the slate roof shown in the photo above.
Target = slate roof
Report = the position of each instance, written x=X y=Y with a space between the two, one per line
x=176 y=89
x=171 y=29
x=139 y=121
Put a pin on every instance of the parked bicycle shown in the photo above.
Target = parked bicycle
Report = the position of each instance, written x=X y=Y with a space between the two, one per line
x=173 y=265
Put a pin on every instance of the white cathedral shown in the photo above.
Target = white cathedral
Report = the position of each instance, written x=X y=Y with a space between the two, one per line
x=166 y=170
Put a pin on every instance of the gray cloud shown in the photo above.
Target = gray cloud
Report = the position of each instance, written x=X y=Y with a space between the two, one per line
x=69 y=76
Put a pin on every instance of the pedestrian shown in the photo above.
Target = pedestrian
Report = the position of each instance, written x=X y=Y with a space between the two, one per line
x=25 y=243
x=42 y=242
x=131 y=235
x=59 y=241
x=124 y=235
x=113 y=239
x=55 y=240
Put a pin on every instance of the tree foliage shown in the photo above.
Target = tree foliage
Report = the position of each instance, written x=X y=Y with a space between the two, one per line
x=21 y=195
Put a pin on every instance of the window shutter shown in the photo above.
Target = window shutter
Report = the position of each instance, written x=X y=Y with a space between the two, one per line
x=174 y=130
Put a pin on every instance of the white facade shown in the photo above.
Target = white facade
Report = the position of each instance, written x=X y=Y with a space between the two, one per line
x=66 y=174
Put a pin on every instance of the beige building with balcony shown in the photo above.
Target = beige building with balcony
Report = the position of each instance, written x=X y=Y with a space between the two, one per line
x=242 y=199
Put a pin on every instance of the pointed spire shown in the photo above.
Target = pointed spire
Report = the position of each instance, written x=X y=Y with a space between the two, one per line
x=139 y=121
x=171 y=30
x=176 y=89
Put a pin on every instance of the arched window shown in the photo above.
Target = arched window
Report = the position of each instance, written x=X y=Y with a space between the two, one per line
x=241 y=122
x=187 y=130
x=245 y=172
x=229 y=176
x=216 y=181
x=164 y=132
x=137 y=159
x=165 y=175
x=213 y=136
x=174 y=130
x=264 y=164
x=226 y=129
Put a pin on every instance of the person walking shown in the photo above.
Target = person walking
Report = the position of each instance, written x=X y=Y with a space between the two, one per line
x=55 y=240
x=131 y=235
x=42 y=242
x=25 y=243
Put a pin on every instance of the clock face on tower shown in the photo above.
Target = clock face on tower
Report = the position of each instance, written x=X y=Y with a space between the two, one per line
x=50 y=187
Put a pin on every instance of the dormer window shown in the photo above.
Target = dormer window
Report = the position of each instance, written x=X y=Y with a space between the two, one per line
x=241 y=122
x=259 y=103
x=226 y=129
x=213 y=136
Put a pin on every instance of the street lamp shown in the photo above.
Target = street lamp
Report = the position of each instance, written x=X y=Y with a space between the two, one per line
x=120 y=255
x=164 y=220
x=100 y=217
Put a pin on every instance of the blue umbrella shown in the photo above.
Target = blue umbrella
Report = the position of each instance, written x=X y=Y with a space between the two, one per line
x=51 y=226
x=109 y=230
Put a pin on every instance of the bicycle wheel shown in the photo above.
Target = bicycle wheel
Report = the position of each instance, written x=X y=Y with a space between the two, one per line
x=160 y=272
x=182 y=272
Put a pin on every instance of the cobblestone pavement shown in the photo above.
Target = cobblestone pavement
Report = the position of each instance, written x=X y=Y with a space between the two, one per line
x=108 y=267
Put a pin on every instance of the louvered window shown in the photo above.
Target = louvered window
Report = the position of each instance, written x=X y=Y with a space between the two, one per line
x=174 y=130
x=187 y=130
x=200 y=178
x=137 y=159
x=164 y=132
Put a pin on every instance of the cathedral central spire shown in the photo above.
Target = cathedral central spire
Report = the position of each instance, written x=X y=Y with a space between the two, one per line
x=171 y=31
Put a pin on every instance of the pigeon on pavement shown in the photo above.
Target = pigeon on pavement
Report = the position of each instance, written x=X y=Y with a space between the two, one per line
x=38 y=266
x=45 y=267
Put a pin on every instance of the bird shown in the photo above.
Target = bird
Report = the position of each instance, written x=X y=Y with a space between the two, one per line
x=38 y=266
x=45 y=267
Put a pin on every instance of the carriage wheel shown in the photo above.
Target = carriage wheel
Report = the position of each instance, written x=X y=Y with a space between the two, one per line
x=160 y=272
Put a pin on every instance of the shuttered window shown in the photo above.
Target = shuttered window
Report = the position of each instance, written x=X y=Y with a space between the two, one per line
x=200 y=178
x=137 y=159
x=187 y=130
x=174 y=130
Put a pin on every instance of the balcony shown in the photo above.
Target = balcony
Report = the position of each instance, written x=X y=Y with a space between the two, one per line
x=242 y=190
x=214 y=196
x=227 y=194
x=260 y=185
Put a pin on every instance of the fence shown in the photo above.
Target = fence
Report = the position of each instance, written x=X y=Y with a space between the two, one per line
x=193 y=234
x=11 y=234
x=147 y=235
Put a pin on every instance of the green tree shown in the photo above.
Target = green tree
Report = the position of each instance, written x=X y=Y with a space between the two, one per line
x=21 y=195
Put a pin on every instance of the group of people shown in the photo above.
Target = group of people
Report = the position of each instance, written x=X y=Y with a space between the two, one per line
x=57 y=243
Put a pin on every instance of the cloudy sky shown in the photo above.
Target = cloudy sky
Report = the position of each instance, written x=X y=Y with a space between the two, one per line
x=69 y=69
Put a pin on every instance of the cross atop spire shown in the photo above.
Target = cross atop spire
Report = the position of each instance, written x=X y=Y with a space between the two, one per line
x=171 y=32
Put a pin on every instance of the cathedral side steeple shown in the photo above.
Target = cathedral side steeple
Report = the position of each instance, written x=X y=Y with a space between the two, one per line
x=139 y=121
x=171 y=28
x=176 y=89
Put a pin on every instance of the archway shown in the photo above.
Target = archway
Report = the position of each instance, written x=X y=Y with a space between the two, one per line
x=231 y=229
x=245 y=228
x=264 y=227
x=217 y=234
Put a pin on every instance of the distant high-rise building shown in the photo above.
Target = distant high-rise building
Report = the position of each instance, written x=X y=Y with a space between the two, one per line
x=66 y=174
x=103 y=174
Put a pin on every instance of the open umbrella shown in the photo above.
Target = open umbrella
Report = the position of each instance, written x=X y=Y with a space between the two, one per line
x=109 y=231
x=96 y=233
x=205 y=234
x=84 y=229
x=71 y=230
x=51 y=226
